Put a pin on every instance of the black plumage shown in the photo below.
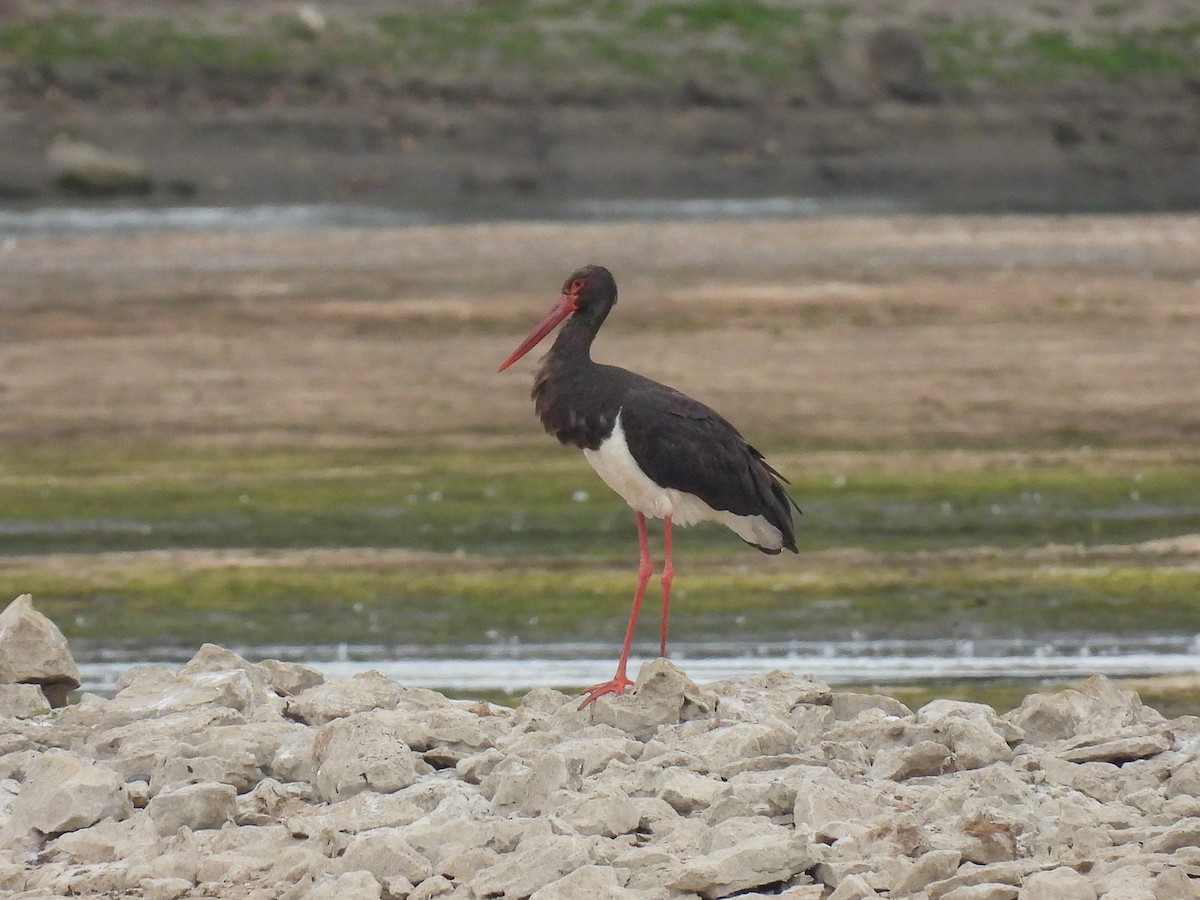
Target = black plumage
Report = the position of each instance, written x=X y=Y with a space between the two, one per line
x=663 y=451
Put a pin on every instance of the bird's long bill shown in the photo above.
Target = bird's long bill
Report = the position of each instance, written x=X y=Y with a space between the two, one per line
x=563 y=308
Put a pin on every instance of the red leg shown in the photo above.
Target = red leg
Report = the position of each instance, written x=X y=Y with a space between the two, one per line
x=668 y=575
x=645 y=569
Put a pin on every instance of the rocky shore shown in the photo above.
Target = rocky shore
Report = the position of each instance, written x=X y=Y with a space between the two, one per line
x=260 y=780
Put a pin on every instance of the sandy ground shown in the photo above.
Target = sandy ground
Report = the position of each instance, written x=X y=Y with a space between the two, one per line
x=843 y=332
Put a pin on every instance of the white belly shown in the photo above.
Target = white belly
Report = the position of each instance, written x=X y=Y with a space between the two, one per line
x=615 y=464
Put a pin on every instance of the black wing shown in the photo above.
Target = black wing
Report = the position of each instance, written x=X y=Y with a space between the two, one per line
x=683 y=444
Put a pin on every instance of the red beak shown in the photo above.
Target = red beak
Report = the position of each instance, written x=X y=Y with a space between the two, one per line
x=563 y=308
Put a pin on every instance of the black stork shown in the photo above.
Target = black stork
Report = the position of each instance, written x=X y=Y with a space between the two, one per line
x=669 y=456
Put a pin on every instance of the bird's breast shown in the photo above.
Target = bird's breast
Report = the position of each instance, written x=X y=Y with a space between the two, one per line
x=572 y=414
x=620 y=471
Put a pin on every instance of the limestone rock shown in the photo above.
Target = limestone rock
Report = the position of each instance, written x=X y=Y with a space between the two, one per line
x=152 y=691
x=84 y=168
x=34 y=651
x=344 y=697
x=936 y=865
x=1098 y=707
x=362 y=752
x=289 y=679
x=759 y=860
x=196 y=806
x=608 y=813
x=164 y=888
x=447 y=735
x=663 y=695
x=360 y=885
x=777 y=692
x=386 y=854
x=592 y=882
x=826 y=804
x=536 y=862
x=22 y=701
x=1118 y=749
x=974 y=733
x=923 y=758
x=854 y=887
x=211 y=780
x=982 y=892
x=1062 y=883
x=63 y=792
x=687 y=791
x=847 y=706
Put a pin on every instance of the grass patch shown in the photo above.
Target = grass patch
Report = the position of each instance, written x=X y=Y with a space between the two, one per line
x=1115 y=56
x=150 y=601
x=545 y=501
x=660 y=48
x=528 y=543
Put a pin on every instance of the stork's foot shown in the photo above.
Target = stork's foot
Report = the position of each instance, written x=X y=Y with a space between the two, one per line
x=616 y=687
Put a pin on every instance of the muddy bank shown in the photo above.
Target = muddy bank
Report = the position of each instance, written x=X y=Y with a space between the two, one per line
x=986 y=107
x=236 y=779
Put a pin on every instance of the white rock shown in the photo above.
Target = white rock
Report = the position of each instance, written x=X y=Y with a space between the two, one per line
x=344 y=697
x=531 y=789
x=1062 y=883
x=1099 y=706
x=34 y=651
x=173 y=772
x=164 y=888
x=1174 y=884
x=973 y=732
x=1178 y=835
x=154 y=693
x=854 y=887
x=22 y=701
x=608 y=812
x=358 y=885
x=922 y=758
x=386 y=854
x=536 y=862
x=663 y=695
x=590 y=882
x=1119 y=748
x=293 y=759
x=759 y=860
x=362 y=752
x=86 y=168
x=134 y=745
x=430 y=888
x=971 y=875
x=825 y=802
x=725 y=747
x=195 y=806
x=447 y=735
x=936 y=865
x=688 y=791
x=107 y=840
x=289 y=679
x=848 y=706
x=982 y=892
x=63 y=792
x=774 y=694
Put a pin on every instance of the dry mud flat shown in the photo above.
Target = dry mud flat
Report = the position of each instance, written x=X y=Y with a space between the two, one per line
x=236 y=779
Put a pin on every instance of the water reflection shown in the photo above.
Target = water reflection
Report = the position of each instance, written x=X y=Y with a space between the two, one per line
x=512 y=666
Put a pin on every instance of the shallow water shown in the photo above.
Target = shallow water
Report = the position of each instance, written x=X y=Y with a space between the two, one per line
x=67 y=221
x=518 y=667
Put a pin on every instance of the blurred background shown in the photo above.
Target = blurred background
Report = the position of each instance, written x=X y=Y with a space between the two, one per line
x=940 y=260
